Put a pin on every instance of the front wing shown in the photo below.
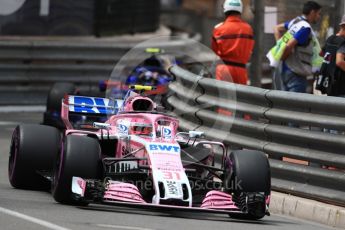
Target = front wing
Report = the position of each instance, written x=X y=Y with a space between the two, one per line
x=127 y=195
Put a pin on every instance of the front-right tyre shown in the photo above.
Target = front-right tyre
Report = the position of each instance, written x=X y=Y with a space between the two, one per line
x=80 y=157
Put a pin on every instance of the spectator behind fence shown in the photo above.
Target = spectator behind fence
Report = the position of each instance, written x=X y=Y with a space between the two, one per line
x=332 y=74
x=233 y=42
x=298 y=48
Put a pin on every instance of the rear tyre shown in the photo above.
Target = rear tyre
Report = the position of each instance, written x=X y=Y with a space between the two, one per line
x=57 y=93
x=33 y=148
x=81 y=157
x=248 y=178
x=53 y=111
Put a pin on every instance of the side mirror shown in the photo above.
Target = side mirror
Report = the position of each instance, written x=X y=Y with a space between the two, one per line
x=195 y=134
x=99 y=125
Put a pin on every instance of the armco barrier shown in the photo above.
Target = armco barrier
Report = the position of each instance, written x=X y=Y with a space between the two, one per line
x=28 y=63
x=282 y=124
x=25 y=60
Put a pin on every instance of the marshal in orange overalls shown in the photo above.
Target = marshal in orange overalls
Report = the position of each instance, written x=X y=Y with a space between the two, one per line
x=233 y=42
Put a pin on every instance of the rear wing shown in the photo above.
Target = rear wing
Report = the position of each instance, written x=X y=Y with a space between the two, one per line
x=88 y=106
x=93 y=105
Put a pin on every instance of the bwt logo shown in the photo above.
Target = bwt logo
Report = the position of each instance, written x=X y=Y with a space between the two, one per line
x=167 y=148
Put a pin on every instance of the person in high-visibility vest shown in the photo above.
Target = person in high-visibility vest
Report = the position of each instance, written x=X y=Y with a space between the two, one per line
x=233 y=42
x=298 y=47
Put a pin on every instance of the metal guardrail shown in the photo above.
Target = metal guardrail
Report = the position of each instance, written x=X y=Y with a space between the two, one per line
x=83 y=49
x=28 y=63
x=69 y=59
x=281 y=124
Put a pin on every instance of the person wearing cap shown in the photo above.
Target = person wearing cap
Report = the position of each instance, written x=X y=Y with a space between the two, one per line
x=233 y=42
x=301 y=49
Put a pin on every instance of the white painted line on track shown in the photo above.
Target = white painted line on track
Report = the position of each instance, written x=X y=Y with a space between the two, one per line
x=122 y=227
x=22 y=108
x=32 y=219
x=4 y=123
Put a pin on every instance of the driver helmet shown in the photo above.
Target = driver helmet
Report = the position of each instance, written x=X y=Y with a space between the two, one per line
x=141 y=130
x=152 y=61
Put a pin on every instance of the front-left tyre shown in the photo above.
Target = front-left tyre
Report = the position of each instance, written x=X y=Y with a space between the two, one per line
x=32 y=154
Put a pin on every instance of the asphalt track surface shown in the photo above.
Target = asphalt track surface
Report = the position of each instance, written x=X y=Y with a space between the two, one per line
x=20 y=209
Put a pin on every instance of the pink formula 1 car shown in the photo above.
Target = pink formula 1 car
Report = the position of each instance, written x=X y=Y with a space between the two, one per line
x=127 y=153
